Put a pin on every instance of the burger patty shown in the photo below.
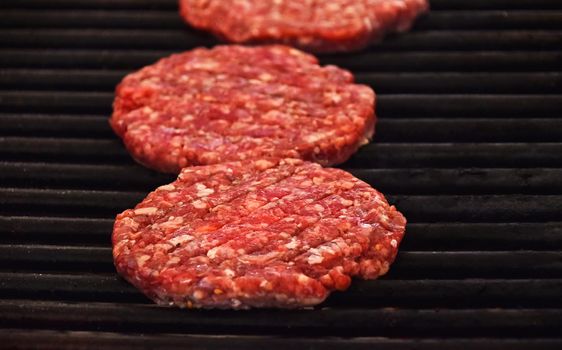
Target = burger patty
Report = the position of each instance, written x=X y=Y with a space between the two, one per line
x=318 y=26
x=229 y=103
x=260 y=233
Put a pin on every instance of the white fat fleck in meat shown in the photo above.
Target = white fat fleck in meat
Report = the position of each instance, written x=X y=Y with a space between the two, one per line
x=149 y=247
x=153 y=116
x=368 y=24
x=181 y=239
x=363 y=141
x=199 y=204
x=333 y=97
x=317 y=136
x=336 y=245
x=198 y=295
x=131 y=223
x=330 y=248
x=317 y=180
x=176 y=142
x=384 y=218
x=274 y=116
x=203 y=65
x=147 y=110
x=117 y=249
x=333 y=7
x=315 y=259
x=168 y=187
x=394 y=243
x=146 y=211
x=202 y=190
x=173 y=222
x=142 y=259
x=264 y=164
x=173 y=260
x=205 y=192
x=252 y=204
x=162 y=246
x=347 y=185
x=292 y=244
x=255 y=81
x=302 y=278
x=318 y=208
x=266 y=285
x=262 y=258
x=265 y=77
x=212 y=253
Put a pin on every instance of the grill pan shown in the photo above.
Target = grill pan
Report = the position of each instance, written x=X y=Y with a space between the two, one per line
x=468 y=147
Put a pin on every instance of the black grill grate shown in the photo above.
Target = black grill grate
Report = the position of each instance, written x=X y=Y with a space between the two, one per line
x=469 y=147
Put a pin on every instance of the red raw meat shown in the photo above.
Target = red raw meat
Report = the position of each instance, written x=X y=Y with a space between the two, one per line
x=318 y=26
x=261 y=233
x=232 y=103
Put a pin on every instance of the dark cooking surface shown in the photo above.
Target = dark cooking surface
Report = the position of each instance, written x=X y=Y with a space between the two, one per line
x=469 y=147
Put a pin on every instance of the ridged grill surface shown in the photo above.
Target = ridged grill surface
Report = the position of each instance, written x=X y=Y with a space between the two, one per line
x=469 y=148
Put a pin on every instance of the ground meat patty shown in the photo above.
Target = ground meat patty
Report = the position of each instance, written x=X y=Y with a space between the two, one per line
x=232 y=103
x=318 y=26
x=260 y=233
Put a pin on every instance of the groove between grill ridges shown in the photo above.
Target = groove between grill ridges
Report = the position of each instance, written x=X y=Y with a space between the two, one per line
x=113 y=283
x=366 y=61
x=389 y=129
x=92 y=4
x=122 y=178
x=382 y=292
x=375 y=155
x=185 y=39
x=84 y=340
x=336 y=322
x=159 y=19
x=387 y=104
x=395 y=82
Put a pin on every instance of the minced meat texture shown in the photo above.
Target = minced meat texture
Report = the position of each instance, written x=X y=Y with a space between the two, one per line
x=229 y=103
x=317 y=26
x=261 y=233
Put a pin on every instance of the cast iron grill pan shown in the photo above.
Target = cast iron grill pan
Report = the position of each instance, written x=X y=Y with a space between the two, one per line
x=469 y=147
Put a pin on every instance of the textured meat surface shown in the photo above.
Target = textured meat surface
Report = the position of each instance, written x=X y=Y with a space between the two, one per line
x=232 y=103
x=261 y=233
x=318 y=26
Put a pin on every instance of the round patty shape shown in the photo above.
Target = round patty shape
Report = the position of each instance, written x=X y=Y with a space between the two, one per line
x=318 y=26
x=260 y=233
x=230 y=103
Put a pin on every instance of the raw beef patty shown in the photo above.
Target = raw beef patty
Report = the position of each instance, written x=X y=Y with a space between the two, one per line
x=232 y=103
x=318 y=26
x=261 y=233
